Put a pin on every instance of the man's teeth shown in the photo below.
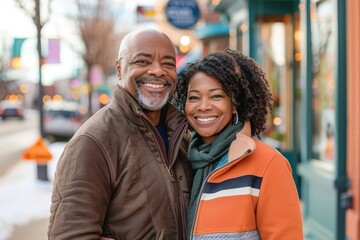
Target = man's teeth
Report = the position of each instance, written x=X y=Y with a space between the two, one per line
x=154 y=85
x=206 y=119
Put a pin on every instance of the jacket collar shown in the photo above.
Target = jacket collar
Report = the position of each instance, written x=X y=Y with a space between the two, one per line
x=243 y=143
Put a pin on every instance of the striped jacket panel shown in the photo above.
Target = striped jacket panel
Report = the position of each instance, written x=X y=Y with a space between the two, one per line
x=250 y=235
x=251 y=197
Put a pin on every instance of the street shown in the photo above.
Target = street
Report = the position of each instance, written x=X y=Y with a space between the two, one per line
x=24 y=200
x=15 y=137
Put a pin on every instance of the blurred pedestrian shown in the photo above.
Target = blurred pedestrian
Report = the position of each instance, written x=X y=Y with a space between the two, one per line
x=243 y=188
x=124 y=175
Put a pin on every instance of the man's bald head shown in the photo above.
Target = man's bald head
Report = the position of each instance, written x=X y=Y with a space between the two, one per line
x=147 y=68
x=131 y=38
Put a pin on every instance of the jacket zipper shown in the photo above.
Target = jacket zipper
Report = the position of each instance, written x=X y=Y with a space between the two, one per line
x=173 y=176
x=174 y=140
x=203 y=185
x=176 y=134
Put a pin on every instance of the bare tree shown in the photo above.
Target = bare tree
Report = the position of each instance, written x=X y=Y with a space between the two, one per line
x=3 y=74
x=96 y=21
x=34 y=13
x=3 y=78
x=32 y=9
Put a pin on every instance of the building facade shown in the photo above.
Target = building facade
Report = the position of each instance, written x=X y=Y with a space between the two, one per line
x=310 y=51
x=352 y=222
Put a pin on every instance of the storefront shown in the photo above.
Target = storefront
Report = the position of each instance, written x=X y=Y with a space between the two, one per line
x=352 y=222
x=323 y=166
x=301 y=45
x=265 y=31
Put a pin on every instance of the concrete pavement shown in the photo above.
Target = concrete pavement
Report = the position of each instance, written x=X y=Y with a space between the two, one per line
x=25 y=200
x=25 y=203
x=36 y=229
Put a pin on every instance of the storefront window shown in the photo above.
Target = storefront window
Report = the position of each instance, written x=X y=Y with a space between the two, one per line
x=323 y=82
x=274 y=35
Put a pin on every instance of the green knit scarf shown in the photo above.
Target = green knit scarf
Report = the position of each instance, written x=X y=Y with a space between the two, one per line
x=203 y=157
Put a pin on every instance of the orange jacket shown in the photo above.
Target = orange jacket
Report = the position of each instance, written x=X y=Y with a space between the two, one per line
x=253 y=196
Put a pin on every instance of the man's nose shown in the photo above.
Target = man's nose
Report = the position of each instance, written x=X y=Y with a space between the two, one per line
x=156 y=69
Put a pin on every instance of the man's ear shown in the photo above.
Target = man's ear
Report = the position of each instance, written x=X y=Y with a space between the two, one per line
x=118 y=68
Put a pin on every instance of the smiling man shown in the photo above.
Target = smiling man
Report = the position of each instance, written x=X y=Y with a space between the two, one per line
x=125 y=175
x=148 y=72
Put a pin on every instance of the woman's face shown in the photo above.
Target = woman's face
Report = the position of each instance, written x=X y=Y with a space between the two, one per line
x=208 y=108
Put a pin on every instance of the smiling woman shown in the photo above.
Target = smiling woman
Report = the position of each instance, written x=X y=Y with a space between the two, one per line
x=242 y=187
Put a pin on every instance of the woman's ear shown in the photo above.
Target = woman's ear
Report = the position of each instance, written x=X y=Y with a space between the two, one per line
x=234 y=108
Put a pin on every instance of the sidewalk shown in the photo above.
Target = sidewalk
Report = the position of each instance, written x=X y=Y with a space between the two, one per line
x=36 y=229
x=25 y=201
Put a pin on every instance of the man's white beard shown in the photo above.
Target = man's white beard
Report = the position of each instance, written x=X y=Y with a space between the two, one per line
x=153 y=103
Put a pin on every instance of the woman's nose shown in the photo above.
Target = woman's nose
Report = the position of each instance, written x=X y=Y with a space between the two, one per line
x=204 y=104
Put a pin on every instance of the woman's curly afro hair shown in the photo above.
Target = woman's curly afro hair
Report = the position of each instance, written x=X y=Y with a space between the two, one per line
x=242 y=79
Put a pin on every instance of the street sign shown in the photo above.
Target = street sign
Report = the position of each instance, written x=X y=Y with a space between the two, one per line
x=38 y=152
x=183 y=14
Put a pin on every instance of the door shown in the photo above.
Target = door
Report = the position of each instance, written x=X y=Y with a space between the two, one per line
x=323 y=169
x=275 y=45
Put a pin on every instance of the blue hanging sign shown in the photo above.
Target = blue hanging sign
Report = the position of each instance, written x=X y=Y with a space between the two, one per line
x=182 y=14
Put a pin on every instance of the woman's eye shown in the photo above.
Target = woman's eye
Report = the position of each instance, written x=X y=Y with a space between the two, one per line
x=217 y=96
x=192 y=98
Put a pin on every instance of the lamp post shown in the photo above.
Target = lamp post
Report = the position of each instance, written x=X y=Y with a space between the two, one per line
x=41 y=167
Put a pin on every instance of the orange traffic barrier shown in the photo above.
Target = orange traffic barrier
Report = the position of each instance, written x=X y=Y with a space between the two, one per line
x=38 y=152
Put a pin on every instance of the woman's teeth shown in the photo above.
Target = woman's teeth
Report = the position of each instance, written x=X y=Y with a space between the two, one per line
x=207 y=119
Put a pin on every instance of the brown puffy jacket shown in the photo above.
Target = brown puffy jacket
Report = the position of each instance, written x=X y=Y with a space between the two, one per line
x=114 y=179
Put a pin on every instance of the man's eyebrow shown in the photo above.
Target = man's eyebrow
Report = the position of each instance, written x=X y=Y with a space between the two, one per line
x=143 y=54
x=170 y=57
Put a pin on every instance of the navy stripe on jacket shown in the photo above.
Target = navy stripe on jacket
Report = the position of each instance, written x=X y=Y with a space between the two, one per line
x=244 y=185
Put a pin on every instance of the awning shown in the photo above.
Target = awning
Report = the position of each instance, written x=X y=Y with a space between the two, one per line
x=190 y=57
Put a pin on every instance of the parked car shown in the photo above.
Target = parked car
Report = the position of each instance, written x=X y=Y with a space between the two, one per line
x=61 y=120
x=11 y=109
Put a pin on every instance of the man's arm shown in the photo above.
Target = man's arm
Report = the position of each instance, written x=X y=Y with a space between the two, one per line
x=81 y=192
